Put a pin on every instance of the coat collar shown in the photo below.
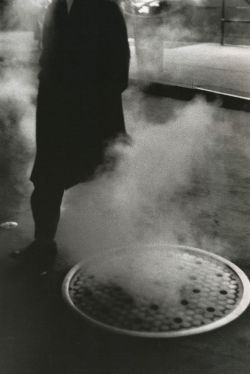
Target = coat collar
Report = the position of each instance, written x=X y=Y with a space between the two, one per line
x=69 y=5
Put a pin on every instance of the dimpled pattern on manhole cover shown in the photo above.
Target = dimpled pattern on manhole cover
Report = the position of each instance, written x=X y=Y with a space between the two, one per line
x=158 y=291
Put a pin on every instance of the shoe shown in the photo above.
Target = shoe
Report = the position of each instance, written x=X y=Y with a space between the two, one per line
x=36 y=251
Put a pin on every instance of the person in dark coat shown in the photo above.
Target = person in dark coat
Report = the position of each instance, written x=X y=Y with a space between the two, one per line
x=84 y=70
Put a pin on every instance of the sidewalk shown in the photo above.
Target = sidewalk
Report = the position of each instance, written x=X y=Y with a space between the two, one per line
x=224 y=69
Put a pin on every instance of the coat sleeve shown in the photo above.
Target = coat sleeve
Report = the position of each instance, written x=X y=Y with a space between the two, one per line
x=116 y=54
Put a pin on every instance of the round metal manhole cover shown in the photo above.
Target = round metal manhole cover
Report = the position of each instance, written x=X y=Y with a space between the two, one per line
x=158 y=291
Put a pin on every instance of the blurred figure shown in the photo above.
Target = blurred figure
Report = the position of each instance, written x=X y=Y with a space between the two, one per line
x=84 y=69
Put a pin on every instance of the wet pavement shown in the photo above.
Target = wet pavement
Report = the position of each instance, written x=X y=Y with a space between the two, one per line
x=39 y=334
x=210 y=66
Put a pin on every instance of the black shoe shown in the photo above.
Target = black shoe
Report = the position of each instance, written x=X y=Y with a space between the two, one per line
x=36 y=251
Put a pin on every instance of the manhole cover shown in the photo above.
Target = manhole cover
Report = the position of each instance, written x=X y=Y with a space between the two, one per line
x=158 y=291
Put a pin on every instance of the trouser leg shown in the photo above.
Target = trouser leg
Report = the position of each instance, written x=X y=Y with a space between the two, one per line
x=46 y=202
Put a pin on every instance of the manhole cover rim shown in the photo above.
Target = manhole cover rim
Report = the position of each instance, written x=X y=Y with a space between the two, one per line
x=234 y=314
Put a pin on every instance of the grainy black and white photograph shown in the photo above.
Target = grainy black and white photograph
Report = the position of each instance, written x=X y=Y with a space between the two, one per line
x=124 y=186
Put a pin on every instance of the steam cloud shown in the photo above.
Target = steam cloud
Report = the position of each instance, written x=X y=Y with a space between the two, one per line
x=24 y=15
x=172 y=182
x=137 y=200
x=172 y=185
x=182 y=22
x=17 y=116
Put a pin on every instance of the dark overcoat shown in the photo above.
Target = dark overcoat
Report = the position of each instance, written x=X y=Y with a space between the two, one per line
x=84 y=70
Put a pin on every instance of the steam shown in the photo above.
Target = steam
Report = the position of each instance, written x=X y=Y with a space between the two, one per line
x=149 y=273
x=17 y=93
x=24 y=15
x=138 y=201
x=17 y=119
x=155 y=33
x=163 y=181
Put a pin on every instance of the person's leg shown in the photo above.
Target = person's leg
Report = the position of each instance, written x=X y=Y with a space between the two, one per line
x=46 y=202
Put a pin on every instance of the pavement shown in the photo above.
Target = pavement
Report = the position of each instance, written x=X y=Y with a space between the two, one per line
x=209 y=66
x=40 y=334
